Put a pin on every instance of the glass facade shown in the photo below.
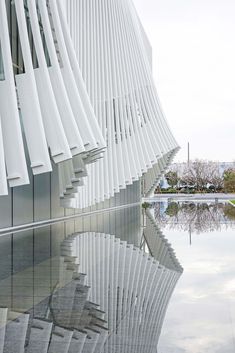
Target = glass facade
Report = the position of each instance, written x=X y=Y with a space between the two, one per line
x=83 y=268
x=97 y=289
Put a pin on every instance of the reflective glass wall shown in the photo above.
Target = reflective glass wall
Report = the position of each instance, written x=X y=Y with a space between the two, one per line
x=96 y=283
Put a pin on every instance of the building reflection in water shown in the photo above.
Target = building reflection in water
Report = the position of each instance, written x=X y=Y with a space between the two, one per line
x=194 y=217
x=88 y=291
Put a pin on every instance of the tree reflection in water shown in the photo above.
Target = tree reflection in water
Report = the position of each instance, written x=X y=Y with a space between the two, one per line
x=195 y=217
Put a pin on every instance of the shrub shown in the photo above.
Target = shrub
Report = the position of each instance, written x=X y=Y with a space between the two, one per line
x=146 y=205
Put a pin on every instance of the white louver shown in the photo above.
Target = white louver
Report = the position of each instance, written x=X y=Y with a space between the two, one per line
x=85 y=84
x=111 y=49
x=46 y=102
x=131 y=287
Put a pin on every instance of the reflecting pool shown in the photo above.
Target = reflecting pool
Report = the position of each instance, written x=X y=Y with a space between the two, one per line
x=127 y=280
x=92 y=284
x=201 y=313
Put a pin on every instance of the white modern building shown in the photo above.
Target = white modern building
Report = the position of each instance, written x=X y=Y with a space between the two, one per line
x=81 y=131
x=78 y=102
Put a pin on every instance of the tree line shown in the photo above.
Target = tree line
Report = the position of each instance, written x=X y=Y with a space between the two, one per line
x=196 y=217
x=200 y=176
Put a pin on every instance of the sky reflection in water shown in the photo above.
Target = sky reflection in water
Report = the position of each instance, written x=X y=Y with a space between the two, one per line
x=201 y=314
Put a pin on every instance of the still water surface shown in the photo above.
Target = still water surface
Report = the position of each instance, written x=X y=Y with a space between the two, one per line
x=201 y=313
x=103 y=283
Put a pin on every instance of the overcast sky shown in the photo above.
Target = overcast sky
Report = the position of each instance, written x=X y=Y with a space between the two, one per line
x=200 y=317
x=194 y=69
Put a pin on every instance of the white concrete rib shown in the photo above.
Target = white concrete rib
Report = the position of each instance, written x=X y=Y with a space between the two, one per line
x=86 y=85
x=3 y=177
x=15 y=333
x=110 y=46
x=58 y=120
x=29 y=101
x=3 y=321
x=40 y=335
x=55 y=133
x=17 y=173
x=60 y=340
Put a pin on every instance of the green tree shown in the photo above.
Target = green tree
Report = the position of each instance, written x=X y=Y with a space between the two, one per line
x=172 y=178
x=229 y=180
x=229 y=212
x=172 y=209
x=146 y=205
